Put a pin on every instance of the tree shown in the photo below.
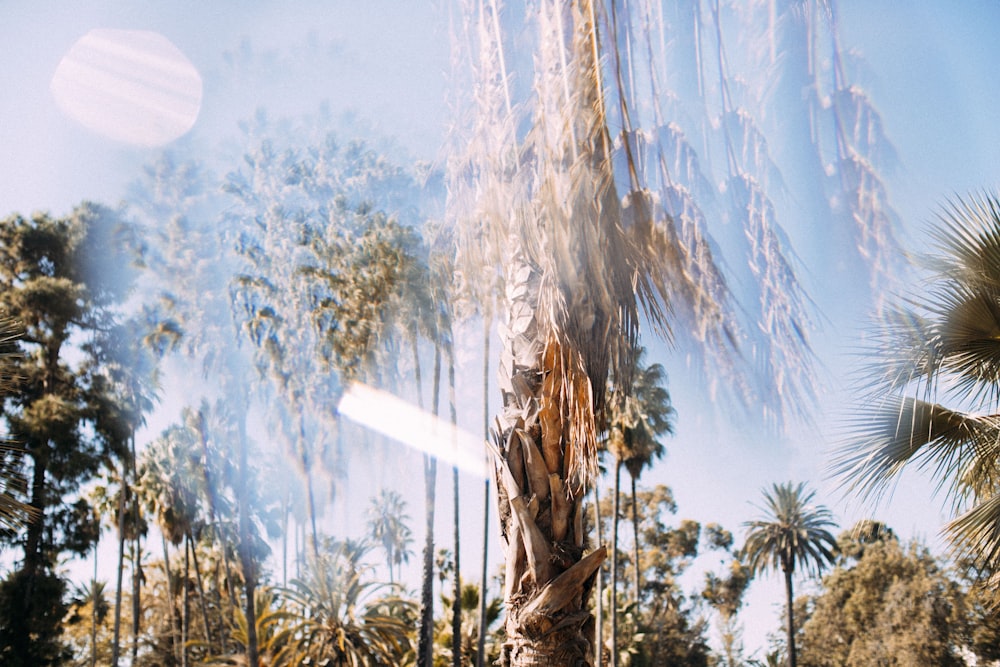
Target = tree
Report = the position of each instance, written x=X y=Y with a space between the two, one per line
x=885 y=603
x=792 y=533
x=62 y=278
x=935 y=384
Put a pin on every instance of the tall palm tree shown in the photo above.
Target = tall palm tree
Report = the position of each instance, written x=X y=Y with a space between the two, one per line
x=636 y=421
x=584 y=252
x=387 y=526
x=791 y=534
x=935 y=391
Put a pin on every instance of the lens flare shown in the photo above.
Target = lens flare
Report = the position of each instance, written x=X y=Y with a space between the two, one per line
x=133 y=86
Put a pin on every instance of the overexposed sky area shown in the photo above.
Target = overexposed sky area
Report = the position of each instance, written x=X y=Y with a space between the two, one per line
x=929 y=67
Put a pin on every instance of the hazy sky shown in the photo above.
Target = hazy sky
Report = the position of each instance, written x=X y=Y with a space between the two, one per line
x=930 y=68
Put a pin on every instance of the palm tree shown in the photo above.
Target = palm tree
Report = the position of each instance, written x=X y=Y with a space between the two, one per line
x=636 y=421
x=387 y=526
x=584 y=252
x=935 y=391
x=792 y=533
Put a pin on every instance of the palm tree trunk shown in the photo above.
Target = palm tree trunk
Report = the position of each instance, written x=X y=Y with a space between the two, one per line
x=246 y=551
x=201 y=591
x=425 y=645
x=170 y=597
x=635 y=544
x=790 y=617
x=548 y=580
x=136 y=556
x=456 y=603
x=93 y=612
x=116 y=640
x=481 y=640
x=186 y=607
x=136 y=588
x=599 y=611
x=613 y=662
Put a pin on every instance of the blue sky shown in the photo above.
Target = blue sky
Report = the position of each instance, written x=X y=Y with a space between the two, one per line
x=930 y=68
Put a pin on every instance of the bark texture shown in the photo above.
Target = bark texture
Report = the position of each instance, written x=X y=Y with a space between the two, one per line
x=547 y=579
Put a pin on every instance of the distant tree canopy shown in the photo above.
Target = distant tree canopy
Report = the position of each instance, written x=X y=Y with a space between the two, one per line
x=885 y=603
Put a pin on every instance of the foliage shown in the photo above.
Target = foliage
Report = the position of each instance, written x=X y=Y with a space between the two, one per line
x=387 y=527
x=340 y=618
x=32 y=639
x=469 y=641
x=884 y=604
x=663 y=627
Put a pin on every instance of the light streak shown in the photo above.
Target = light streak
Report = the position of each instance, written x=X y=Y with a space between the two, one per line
x=404 y=422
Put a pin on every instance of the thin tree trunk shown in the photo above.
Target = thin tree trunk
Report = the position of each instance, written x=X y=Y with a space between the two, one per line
x=284 y=540
x=246 y=554
x=136 y=557
x=136 y=589
x=456 y=604
x=93 y=611
x=635 y=545
x=613 y=662
x=481 y=640
x=186 y=608
x=599 y=612
x=213 y=517
x=116 y=640
x=789 y=600
x=201 y=591
x=425 y=657
x=170 y=597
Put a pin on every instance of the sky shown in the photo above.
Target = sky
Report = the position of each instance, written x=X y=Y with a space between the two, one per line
x=929 y=67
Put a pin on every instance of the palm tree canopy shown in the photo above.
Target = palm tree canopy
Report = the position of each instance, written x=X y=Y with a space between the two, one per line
x=792 y=534
x=639 y=417
x=933 y=400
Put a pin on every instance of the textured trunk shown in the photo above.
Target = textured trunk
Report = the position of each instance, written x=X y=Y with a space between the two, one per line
x=186 y=606
x=136 y=557
x=790 y=617
x=201 y=593
x=136 y=590
x=548 y=581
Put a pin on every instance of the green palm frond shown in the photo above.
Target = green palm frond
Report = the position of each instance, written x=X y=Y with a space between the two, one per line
x=904 y=431
x=933 y=399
